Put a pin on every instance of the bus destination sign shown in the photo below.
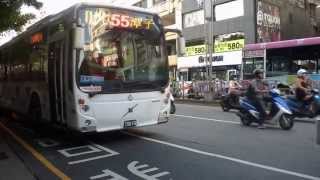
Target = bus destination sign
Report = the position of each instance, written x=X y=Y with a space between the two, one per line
x=127 y=21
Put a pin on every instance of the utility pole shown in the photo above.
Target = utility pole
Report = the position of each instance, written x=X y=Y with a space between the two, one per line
x=209 y=18
x=208 y=11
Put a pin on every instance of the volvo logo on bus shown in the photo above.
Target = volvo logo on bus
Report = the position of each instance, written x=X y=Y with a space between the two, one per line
x=130 y=97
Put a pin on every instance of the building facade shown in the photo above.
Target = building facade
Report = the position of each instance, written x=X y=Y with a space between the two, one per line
x=170 y=12
x=240 y=22
x=236 y=23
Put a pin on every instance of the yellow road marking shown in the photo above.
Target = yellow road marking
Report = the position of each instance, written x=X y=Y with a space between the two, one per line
x=37 y=155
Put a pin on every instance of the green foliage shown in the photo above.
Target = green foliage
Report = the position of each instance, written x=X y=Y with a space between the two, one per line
x=11 y=17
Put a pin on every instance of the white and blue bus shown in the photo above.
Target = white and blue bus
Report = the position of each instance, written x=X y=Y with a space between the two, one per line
x=91 y=68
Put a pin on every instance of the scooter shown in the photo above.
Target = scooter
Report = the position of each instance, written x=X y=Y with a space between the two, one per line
x=228 y=102
x=280 y=113
x=302 y=110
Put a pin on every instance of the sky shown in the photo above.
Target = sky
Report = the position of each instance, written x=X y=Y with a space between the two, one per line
x=49 y=7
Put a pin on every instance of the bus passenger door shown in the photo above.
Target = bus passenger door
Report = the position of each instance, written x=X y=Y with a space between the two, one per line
x=55 y=77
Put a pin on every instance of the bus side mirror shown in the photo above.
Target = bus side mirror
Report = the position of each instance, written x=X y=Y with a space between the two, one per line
x=78 y=40
x=181 y=46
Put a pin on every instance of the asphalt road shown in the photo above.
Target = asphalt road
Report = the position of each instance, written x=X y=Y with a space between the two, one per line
x=199 y=142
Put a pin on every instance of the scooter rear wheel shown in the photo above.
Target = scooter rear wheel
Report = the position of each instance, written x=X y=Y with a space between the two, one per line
x=286 y=122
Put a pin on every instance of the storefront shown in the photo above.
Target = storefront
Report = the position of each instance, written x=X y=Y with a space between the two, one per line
x=194 y=67
x=227 y=58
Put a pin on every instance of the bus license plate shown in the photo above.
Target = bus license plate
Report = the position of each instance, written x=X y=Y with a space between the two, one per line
x=130 y=123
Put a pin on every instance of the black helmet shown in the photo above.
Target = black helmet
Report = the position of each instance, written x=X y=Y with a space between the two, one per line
x=257 y=71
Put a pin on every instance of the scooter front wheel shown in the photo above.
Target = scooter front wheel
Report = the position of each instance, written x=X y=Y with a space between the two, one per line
x=286 y=122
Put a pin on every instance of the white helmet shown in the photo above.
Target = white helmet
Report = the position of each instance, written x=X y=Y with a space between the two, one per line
x=301 y=72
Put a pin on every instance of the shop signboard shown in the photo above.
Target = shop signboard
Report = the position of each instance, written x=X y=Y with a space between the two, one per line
x=195 y=50
x=219 y=59
x=253 y=53
x=227 y=46
x=219 y=47
x=268 y=22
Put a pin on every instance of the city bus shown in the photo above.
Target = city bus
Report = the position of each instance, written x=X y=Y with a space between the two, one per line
x=282 y=59
x=93 y=67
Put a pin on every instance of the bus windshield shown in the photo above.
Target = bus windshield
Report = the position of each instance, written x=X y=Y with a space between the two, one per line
x=124 y=52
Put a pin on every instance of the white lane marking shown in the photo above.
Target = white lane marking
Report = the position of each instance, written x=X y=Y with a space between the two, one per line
x=94 y=148
x=111 y=175
x=270 y=168
x=88 y=150
x=206 y=119
x=136 y=170
x=47 y=142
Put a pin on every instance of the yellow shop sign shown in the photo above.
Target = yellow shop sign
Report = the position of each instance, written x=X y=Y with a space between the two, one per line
x=227 y=46
x=219 y=47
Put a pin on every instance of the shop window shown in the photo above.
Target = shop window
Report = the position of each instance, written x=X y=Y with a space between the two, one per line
x=194 y=18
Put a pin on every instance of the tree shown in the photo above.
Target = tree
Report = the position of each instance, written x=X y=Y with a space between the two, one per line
x=11 y=17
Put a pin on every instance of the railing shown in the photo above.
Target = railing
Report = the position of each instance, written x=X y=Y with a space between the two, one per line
x=198 y=89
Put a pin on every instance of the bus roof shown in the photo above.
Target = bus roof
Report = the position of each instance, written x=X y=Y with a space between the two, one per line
x=51 y=18
x=284 y=44
x=109 y=5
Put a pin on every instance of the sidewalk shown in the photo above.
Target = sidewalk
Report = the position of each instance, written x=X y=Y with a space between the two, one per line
x=11 y=167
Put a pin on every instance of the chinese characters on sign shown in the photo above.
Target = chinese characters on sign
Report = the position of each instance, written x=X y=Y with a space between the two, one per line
x=125 y=21
x=219 y=47
x=268 y=22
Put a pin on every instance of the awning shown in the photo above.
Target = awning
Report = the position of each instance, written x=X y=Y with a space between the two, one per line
x=284 y=44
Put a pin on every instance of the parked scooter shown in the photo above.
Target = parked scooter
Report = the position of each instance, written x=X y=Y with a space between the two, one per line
x=305 y=109
x=229 y=102
x=280 y=113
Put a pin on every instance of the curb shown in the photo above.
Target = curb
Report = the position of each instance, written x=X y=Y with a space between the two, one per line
x=305 y=121
x=195 y=102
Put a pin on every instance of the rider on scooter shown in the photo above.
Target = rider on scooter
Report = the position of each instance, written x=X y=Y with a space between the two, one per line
x=303 y=87
x=234 y=89
x=256 y=93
